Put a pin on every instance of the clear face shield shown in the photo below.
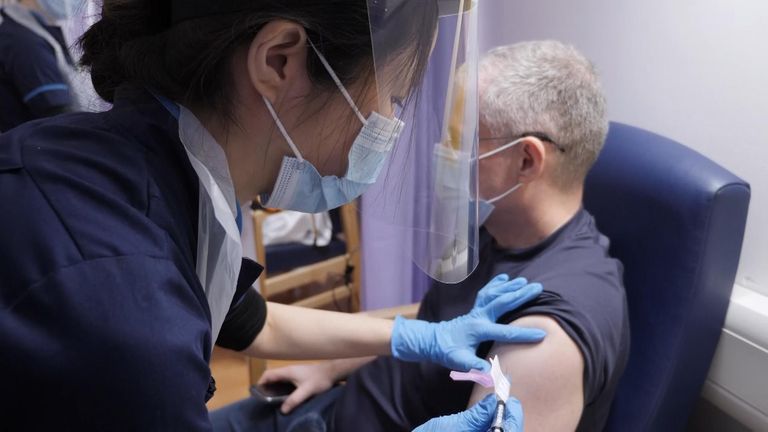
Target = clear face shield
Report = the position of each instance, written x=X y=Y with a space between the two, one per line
x=429 y=185
x=422 y=179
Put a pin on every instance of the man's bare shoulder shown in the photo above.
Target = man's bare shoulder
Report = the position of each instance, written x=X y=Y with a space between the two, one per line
x=547 y=377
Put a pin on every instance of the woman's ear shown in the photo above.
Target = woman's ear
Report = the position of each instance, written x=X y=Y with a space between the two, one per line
x=277 y=60
x=532 y=160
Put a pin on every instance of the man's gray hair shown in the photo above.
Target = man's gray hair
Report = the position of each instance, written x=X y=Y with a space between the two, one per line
x=546 y=87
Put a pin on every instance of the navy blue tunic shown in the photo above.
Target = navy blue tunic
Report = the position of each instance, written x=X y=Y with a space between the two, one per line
x=583 y=292
x=103 y=322
x=31 y=84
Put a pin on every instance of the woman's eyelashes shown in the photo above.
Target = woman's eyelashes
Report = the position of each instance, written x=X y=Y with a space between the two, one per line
x=398 y=105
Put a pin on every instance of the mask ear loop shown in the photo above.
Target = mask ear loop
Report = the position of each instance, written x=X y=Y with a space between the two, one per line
x=497 y=151
x=341 y=88
x=504 y=195
x=280 y=126
x=336 y=80
x=500 y=149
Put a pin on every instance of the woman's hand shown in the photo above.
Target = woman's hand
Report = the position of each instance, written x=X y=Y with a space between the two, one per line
x=453 y=343
x=309 y=379
x=478 y=418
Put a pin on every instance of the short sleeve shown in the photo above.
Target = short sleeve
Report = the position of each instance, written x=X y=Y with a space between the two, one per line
x=584 y=293
x=598 y=335
x=36 y=74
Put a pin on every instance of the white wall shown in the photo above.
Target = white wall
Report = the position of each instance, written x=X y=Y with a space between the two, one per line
x=694 y=71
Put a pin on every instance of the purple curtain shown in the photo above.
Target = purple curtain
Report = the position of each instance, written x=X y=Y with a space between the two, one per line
x=390 y=278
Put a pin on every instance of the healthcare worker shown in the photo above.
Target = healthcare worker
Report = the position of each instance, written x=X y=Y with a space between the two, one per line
x=120 y=264
x=37 y=76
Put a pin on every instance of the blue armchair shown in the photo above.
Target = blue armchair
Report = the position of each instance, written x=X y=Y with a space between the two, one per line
x=676 y=220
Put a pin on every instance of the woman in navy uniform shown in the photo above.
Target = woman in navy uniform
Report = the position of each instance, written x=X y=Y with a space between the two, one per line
x=36 y=67
x=121 y=265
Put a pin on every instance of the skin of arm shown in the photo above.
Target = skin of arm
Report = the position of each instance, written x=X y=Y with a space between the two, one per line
x=295 y=333
x=547 y=377
x=343 y=368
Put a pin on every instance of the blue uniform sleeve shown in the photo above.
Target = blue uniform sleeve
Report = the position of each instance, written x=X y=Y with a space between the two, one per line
x=116 y=343
x=36 y=74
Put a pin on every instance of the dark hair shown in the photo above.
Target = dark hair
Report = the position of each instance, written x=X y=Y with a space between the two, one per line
x=136 y=42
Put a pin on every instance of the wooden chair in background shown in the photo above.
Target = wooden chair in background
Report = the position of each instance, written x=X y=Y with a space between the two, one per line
x=289 y=269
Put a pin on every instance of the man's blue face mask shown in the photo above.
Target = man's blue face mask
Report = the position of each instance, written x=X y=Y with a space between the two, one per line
x=300 y=187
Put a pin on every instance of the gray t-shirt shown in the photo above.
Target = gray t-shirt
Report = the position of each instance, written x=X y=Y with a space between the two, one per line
x=583 y=292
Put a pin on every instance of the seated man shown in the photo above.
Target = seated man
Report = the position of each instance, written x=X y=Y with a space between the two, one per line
x=543 y=124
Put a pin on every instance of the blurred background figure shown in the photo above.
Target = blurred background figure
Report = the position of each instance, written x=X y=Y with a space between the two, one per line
x=38 y=77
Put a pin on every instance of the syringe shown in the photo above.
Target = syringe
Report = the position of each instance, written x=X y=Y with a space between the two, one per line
x=498 y=421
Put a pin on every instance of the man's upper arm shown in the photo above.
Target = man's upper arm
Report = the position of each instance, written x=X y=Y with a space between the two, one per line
x=547 y=377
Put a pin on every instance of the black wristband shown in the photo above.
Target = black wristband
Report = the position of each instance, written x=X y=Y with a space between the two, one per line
x=244 y=322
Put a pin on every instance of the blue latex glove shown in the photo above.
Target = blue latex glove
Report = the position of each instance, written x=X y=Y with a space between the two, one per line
x=453 y=343
x=498 y=286
x=479 y=418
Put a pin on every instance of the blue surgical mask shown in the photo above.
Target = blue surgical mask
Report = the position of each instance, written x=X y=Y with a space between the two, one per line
x=62 y=9
x=486 y=206
x=300 y=187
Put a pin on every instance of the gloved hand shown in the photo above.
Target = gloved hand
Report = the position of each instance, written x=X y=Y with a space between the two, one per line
x=453 y=343
x=498 y=286
x=479 y=418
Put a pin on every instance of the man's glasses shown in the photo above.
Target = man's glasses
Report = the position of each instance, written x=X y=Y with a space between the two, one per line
x=542 y=136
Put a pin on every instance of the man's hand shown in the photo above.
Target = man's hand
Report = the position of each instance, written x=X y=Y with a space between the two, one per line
x=309 y=379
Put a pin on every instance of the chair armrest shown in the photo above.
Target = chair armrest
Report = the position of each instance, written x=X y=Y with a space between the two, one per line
x=407 y=311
